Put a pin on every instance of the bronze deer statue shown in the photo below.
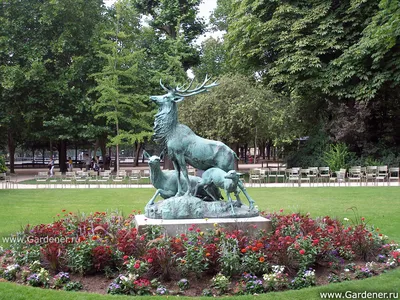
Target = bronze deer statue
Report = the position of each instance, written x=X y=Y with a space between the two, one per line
x=183 y=145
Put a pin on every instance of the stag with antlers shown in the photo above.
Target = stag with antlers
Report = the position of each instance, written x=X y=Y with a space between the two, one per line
x=183 y=145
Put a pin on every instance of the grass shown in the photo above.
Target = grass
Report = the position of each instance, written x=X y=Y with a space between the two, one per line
x=379 y=205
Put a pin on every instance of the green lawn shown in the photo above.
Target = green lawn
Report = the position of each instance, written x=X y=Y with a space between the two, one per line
x=379 y=205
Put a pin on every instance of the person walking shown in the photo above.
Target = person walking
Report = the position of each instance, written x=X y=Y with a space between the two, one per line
x=50 y=165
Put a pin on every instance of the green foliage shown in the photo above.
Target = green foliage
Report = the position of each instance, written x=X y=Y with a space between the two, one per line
x=337 y=156
x=334 y=59
x=242 y=111
x=3 y=167
x=308 y=153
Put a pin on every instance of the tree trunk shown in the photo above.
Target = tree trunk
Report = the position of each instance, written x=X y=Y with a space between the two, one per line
x=11 y=149
x=103 y=149
x=235 y=147
x=168 y=165
x=269 y=149
x=116 y=164
x=62 y=156
x=138 y=147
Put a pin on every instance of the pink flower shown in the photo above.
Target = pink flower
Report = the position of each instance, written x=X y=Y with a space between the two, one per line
x=302 y=251
x=150 y=260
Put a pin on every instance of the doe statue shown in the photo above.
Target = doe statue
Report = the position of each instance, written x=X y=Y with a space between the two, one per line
x=166 y=182
x=186 y=148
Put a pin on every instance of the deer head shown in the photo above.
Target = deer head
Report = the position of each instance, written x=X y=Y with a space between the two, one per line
x=179 y=93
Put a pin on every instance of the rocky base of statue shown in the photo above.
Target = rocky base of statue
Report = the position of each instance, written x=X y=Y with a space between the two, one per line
x=190 y=207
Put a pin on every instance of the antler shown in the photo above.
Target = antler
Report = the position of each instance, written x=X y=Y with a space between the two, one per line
x=164 y=88
x=197 y=90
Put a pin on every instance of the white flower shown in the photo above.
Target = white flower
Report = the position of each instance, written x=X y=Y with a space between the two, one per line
x=309 y=273
x=346 y=270
x=346 y=219
x=12 y=267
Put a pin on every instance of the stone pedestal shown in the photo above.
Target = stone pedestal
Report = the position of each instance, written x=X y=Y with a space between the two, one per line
x=174 y=227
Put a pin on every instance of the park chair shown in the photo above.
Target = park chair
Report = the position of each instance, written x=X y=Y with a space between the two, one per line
x=370 y=174
x=264 y=174
x=104 y=177
x=279 y=174
x=304 y=176
x=393 y=174
x=313 y=174
x=81 y=177
x=381 y=174
x=119 y=177
x=41 y=177
x=134 y=177
x=324 y=174
x=293 y=176
x=341 y=176
x=354 y=174
x=8 y=181
x=68 y=179
x=255 y=176
x=145 y=175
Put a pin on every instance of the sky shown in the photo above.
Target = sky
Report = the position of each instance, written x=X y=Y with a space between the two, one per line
x=206 y=7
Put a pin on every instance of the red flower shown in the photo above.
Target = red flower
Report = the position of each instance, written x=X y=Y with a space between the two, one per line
x=136 y=266
x=125 y=257
x=302 y=251
x=315 y=242
x=150 y=260
x=262 y=259
x=243 y=250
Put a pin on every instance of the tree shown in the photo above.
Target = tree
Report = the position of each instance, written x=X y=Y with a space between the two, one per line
x=121 y=84
x=242 y=112
x=212 y=59
x=46 y=45
x=176 y=20
x=323 y=54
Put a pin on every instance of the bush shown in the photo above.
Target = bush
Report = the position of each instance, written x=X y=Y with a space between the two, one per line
x=337 y=157
x=3 y=167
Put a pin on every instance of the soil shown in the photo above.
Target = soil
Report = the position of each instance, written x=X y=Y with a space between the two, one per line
x=98 y=283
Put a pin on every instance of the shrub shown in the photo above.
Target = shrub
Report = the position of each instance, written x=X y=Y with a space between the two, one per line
x=337 y=156
x=73 y=286
x=3 y=167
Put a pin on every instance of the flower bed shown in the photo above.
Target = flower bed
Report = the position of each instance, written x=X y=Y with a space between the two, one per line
x=299 y=252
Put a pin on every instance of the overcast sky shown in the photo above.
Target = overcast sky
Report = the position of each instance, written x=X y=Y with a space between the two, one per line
x=206 y=7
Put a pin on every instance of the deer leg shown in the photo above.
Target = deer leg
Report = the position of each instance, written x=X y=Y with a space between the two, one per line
x=178 y=175
x=206 y=188
x=251 y=201
x=230 y=201
x=238 y=201
x=151 y=202
x=182 y=164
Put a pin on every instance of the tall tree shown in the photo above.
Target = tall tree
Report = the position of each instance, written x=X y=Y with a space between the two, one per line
x=176 y=20
x=323 y=54
x=242 y=112
x=121 y=84
x=48 y=44
x=212 y=59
